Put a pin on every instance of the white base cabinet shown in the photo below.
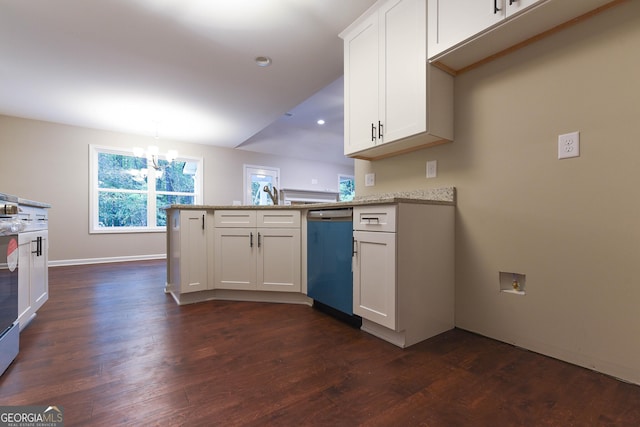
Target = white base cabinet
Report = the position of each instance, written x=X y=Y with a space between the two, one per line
x=257 y=250
x=403 y=270
x=188 y=251
x=33 y=274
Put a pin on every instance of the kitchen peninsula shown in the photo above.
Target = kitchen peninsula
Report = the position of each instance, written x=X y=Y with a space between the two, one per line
x=403 y=258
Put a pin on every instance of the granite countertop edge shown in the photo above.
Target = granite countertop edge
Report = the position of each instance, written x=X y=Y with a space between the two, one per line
x=27 y=202
x=439 y=196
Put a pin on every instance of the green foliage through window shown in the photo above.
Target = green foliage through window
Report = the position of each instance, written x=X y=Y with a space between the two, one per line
x=125 y=196
x=347 y=188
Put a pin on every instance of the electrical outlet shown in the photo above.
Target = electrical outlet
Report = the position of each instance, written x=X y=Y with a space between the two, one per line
x=432 y=168
x=370 y=179
x=569 y=145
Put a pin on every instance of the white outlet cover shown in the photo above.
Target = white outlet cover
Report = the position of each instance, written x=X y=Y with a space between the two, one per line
x=432 y=168
x=569 y=145
x=370 y=179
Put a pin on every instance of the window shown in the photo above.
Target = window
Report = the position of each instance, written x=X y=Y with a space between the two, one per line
x=347 y=187
x=256 y=178
x=128 y=192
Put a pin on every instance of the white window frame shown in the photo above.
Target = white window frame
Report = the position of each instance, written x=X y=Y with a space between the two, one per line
x=94 y=151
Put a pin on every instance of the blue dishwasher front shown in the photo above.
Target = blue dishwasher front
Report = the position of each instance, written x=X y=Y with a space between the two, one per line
x=329 y=244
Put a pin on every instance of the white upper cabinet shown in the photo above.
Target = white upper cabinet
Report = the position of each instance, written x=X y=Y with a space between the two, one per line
x=464 y=32
x=453 y=21
x=394 y=101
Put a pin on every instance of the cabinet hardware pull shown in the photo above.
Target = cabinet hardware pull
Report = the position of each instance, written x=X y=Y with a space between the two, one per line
x=258 y=239
x=371 y=218
x=38 y=243
x=251 y=239
x=495 y=7
x=203 y=221
x=379 y=129
x=373 y=132
x=353 y=247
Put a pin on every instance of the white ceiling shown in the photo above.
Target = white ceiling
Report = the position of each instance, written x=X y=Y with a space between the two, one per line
x=183 y=67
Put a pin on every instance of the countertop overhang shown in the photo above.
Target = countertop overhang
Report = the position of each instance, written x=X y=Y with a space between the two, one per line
x=437 y=196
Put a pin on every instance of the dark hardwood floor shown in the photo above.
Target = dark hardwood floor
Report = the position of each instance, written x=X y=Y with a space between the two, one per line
x=113 y=350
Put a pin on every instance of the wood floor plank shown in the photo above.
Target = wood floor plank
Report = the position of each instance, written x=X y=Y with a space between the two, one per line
x=112 y=349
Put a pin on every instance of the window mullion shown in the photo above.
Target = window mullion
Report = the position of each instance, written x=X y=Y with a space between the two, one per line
x=151 y=194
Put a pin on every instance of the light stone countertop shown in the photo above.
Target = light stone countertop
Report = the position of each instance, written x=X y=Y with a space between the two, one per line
x=438 y=196
x=27 y=202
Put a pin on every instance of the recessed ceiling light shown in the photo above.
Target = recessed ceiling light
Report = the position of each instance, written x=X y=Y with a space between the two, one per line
x=263 y=61
x=320 y=122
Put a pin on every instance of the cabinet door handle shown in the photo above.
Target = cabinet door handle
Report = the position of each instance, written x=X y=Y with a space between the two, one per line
x=496 y=9
x=203 y=221
x=38 y=250
x=251 y=239
x=371 y=218
x=258 y=239
x=353 y=247
x=373 y=132
x=379 y=129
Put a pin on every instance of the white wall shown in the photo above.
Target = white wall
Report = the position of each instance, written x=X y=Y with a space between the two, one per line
x=50 y=163
x=572 y=226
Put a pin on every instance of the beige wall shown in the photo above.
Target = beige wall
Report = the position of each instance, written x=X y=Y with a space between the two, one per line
x=50 y=163
x=572 y=226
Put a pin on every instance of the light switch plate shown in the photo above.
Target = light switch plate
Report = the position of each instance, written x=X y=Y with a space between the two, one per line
x=370 y=179
x=432 y=168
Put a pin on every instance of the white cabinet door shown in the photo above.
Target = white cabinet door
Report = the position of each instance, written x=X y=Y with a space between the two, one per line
x=403 y=70
x=193 y=241
x=361 y=80
x=452 y=21
x=278 y=259
x=33 y=273
x=374 y=277
x=235 y=252
x=39 y=269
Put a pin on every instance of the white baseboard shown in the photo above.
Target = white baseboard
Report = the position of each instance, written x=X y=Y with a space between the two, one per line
x=65 y=262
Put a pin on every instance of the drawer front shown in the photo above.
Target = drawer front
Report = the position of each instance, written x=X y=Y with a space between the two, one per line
x=375 y=218
x=279 y=218
x=234 y=218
